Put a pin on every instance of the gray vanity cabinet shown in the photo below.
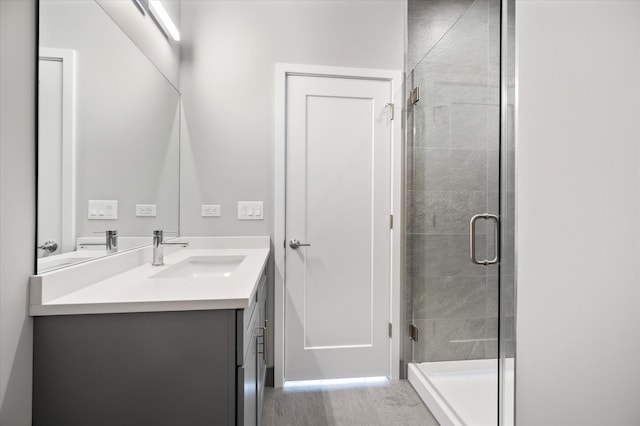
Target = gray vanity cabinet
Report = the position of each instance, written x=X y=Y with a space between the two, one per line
x=252 y=365
x=150 y=368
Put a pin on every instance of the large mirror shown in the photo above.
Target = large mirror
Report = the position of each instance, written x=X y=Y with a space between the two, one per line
x=108 y=138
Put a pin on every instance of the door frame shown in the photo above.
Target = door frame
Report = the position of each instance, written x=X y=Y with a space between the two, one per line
x=395 y=78
x=67 y=57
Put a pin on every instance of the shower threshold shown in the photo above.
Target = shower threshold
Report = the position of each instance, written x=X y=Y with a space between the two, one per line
x=463 y=392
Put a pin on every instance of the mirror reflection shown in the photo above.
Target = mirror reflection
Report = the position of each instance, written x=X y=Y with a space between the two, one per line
x=108 y=139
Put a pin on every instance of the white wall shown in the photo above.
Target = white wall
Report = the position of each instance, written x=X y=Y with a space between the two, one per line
x=578 y=136
x=229 y=50
x=17 y=206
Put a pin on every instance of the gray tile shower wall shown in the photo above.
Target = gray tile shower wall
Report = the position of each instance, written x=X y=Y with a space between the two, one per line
x=428 y=22
x=452 y=174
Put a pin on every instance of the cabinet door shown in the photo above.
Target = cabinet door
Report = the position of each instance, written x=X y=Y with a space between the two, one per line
x=251 y=374
x=139 y=368
x=262 y=349
x=247 y=377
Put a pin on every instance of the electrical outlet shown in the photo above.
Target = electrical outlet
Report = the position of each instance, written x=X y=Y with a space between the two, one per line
x=210 y=210
x=146 y=210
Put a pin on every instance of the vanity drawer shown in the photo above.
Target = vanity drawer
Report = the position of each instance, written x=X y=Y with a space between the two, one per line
x=247 y=320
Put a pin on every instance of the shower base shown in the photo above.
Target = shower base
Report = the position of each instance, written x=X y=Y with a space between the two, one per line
x=463 y=392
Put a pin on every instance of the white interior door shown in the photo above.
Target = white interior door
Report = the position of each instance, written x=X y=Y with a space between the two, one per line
x=50 y=152
x=56 y=149
x=338 y=200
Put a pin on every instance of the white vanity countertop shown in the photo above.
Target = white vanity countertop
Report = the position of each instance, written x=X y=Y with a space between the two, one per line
x=134 y=289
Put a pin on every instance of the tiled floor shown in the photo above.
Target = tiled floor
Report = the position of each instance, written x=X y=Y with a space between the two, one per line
x=387 y=403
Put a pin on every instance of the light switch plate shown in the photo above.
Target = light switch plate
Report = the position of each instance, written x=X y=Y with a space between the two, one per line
x=146 y=210
x=102 y=209
x=250 y=210
x=210 y=210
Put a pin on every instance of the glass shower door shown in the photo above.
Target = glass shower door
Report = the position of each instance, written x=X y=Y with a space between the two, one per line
x=454 y=163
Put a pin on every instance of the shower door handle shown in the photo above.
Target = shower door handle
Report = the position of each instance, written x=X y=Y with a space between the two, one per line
x=472 y=238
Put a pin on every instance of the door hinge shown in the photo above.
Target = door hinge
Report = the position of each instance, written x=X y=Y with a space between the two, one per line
x=414 y=97
x=284 y=244
x=391 y=110
x=413 y=332
x=391 y=221
x=390 y=330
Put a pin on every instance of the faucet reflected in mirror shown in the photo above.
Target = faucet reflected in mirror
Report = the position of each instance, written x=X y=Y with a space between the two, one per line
x=111 y=241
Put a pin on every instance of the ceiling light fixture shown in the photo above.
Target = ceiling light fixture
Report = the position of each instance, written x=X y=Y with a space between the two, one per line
x=162 y=18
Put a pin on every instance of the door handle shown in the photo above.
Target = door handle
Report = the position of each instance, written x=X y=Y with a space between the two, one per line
x=49 y=245
x=472 y=238
x=265 y=339
x=295 y=243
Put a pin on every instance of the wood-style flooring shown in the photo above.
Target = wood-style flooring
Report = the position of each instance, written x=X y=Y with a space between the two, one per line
x=387 y=403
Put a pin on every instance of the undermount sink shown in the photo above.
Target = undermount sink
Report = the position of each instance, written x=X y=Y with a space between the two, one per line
x=202 y=267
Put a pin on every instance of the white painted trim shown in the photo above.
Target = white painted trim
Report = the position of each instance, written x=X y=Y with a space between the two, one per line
x=279 y=220
x=397 y=87
x=68 y=59
x=395 y=77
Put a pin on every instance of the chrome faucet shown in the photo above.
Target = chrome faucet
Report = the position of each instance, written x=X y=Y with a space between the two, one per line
x=110 y=243
x=158 y=245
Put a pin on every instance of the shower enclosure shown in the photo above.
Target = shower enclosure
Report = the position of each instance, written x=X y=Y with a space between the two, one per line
x=459 y=232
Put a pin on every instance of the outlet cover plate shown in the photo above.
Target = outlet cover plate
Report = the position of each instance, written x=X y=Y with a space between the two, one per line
x=250 y=210
x=102 y=209
x=146 y=210
x=210 y=210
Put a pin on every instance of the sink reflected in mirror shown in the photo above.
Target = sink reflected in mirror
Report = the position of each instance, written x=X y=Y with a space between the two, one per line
x=202 y=267
x=47 y=264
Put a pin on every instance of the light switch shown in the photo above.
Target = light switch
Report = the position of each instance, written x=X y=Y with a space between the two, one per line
x=210 y=210
x=103 y=209
x=148 y=210
x=250 y=210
